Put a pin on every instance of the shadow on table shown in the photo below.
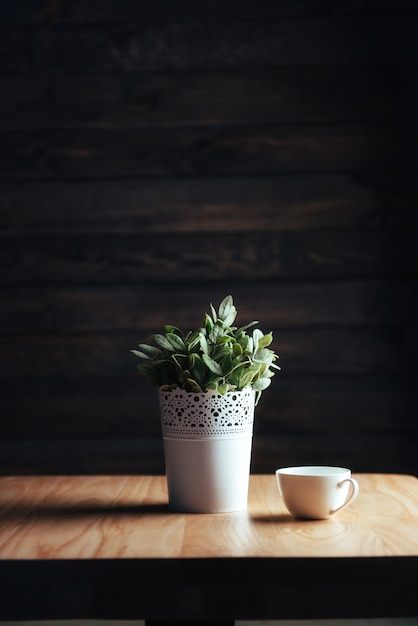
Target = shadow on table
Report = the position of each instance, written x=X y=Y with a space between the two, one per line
x=82 y=509
x=280 y=518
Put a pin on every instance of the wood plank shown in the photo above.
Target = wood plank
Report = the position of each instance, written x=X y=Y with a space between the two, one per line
x=43 y=13
x=206 y=151
x=167 y=258
x=294 y=95
x=108 y=308
x=102 y=517
x=376 y=452
x=287 y=202
x=90 y=408
x=361 y=451
x=141 y=455
x=175 y=46
x=352 y=350
x=336 y=405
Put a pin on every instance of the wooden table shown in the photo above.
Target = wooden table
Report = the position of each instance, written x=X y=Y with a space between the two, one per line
x=109 y=547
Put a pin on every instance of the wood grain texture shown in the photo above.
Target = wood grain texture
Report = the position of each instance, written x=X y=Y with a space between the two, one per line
x=177 y=46
x=84 y=455
x=86 y=11
x=367 y=200
x=128 y=517
x=136 y=100
x=122 y=258
x=79 y=308
x=203 y=151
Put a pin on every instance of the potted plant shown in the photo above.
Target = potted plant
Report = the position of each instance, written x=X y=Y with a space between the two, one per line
x=209 y=380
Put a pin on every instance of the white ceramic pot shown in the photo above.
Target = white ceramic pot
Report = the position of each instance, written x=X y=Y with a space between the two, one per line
x=207 y=447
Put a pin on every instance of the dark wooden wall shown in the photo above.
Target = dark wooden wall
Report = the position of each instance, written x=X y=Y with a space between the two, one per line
x=156 y=156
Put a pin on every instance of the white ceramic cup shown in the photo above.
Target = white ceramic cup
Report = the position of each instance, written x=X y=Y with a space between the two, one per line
x=316 y=491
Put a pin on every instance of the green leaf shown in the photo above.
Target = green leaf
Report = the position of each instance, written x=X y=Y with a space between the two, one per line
x=152 y=374
x=261 y=384
x=265 y=340
x=237 y=349
x=162 y=341
x=227 y=311
x=192 y=341
x=192 y=385
x=226 y=364
x=147 y=352
x=234 y=377
x=225 y=307
x=223 y=388
x=174 y=330
x=224 y=339
x=176 y=342
x=240 y=366
x=246 y=379
x=243 y=342
x=217 y=331
x=198 y=370
x=151 y=350
x=208 y=324
x=257 y=334
x=140 y=354
x=203 y=344
x=263 y=356
x=220 y=352
x=242 y=329
x=212 y=365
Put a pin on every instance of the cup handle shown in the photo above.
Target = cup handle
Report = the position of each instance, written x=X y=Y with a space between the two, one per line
x=351 y=497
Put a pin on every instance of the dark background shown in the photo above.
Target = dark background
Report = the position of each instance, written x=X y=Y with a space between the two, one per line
x=157 y=156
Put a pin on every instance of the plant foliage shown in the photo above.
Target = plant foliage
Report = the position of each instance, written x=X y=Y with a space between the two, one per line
x=217 y=356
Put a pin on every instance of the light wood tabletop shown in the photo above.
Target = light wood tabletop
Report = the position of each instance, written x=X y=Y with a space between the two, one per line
x=109 y=546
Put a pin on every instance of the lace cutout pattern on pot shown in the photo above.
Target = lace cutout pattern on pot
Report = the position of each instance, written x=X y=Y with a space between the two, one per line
x=206 y=415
